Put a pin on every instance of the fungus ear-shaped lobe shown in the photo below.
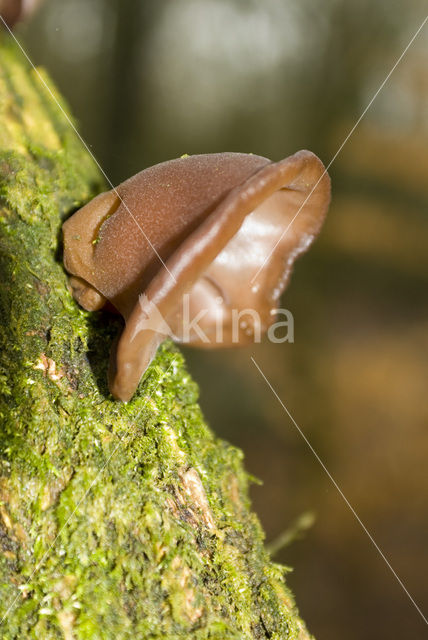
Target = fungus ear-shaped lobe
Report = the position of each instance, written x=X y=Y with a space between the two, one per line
x=248 y=276
x=80 y=234
x=160 y=208
x=249 y=227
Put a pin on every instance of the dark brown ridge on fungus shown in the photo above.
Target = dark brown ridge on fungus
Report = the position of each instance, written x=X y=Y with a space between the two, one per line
x=212 y=220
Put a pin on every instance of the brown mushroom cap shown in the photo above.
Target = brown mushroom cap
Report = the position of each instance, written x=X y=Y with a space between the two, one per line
x=204 y=225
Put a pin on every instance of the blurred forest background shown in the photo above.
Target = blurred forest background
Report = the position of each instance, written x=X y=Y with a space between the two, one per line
x=152 y=80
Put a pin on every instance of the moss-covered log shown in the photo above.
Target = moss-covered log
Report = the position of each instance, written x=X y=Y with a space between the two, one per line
x=116 y=520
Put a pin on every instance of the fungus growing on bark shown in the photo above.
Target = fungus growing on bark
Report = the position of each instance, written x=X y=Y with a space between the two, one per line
x=223 y=229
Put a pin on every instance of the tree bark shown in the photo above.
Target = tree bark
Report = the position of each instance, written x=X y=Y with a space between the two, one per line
x=116 y=520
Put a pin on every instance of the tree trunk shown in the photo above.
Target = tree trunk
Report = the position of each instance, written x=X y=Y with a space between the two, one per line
x=116 y=520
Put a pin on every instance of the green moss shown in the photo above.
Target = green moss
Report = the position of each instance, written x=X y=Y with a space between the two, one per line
x=116 y=520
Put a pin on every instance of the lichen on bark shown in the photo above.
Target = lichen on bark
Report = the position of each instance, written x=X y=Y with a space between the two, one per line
x=116 y=520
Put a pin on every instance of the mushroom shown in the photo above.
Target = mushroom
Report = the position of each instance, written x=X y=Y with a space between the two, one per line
x=220 y=231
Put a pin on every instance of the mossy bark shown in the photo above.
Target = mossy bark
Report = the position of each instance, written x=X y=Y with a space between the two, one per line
x=116 y=520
